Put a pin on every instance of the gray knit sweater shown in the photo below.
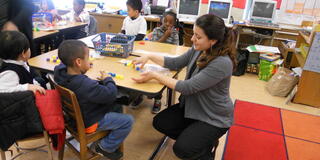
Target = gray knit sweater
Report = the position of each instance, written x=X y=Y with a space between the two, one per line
x=206 y=93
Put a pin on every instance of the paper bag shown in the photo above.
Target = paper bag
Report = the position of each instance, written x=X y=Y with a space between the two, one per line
x=282 y=82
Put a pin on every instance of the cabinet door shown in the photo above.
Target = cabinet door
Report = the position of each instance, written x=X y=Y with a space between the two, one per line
x=109 y=23
x=308 y=89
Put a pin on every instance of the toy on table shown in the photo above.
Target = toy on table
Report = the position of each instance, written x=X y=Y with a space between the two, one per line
x=128 y=63
x=142 y=43
x=36 y=29
x=54 y=59
x=91 y=58
x=103 y=74
x=118 y=76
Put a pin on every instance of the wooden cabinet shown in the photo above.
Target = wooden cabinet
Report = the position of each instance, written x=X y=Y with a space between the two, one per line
x=108 y=22
x=283 y=35
x=287 y=54
x=309 y=85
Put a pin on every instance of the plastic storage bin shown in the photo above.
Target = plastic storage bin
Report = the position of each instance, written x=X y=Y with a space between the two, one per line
x=115 y=45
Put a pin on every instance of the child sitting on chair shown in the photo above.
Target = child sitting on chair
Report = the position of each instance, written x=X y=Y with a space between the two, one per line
x=78 y=14
x=167 y=33
x=15 y=74
x=134 y=24
x=48 y=7
x=97 y=99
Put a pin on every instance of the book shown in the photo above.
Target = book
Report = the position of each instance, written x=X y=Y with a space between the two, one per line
x=263 y=49
x=270 y=57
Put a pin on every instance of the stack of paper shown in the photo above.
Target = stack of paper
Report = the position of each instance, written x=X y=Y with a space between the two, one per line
x=263 y=49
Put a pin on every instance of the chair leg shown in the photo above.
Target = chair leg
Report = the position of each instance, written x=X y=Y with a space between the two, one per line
x=17 y=147
x=121 y=147
x=215 y=149
x=3 y=154
x=83 y=151
x=61 y=153
x=46 y=138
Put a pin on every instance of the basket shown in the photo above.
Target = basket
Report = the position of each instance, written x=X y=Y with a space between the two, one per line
x=115 y=45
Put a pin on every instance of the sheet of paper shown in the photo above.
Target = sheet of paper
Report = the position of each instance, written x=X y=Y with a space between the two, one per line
x=163 y=3
x=260 y=48
x=88 y=41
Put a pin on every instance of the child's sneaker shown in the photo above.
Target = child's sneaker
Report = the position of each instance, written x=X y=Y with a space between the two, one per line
x=116 y=155
x=156 y=106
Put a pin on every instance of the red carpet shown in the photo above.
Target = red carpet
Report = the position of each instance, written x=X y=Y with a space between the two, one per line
x=268 y=133
x=258 y=116
x=261 y=145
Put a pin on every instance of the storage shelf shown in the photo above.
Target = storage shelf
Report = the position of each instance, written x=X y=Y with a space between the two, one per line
x=305 y=37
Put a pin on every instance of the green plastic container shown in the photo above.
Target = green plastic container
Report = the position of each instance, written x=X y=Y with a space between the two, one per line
x=266 y=70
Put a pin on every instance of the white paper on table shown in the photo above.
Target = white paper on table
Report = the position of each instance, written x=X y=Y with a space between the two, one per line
x=88 y=40
x=94 y=54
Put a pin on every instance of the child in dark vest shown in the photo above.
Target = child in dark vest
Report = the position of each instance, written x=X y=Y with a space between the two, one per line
x=15 y=74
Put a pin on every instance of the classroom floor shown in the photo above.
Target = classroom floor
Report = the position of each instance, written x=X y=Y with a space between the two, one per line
x=143 y=139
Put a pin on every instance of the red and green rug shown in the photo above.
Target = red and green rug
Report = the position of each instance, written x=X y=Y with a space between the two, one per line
x=267 y=133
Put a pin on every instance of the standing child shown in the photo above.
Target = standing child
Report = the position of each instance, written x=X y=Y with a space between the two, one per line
x=134 y=23
x=78 y=14
x=15 y=74
x=167 y=32
x=97 y=99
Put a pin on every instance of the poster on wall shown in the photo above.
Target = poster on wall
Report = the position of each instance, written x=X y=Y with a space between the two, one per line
x=278 y=3
x=239 y=4
x=204 y=1
x=304 y=7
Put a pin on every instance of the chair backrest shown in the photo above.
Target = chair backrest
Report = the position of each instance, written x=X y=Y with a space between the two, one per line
x=92 y=26
x=71 y=109
x=181 y=32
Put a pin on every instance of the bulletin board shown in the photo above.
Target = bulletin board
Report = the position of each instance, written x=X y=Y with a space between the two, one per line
x=242 y=3
x=305 y=7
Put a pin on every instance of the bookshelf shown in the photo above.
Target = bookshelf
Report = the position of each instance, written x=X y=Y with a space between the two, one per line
x=309 y=84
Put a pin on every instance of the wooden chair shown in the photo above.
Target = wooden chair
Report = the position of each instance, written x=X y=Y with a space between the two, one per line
x=22 y=151
x=71 y=109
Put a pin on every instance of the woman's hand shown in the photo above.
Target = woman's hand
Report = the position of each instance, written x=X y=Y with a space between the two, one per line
x=145 y=77
x=35 y=88
x=141 y=60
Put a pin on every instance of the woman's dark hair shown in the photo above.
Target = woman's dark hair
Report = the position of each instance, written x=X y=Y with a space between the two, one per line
x=13 y=43
x=135 y=4
x=215 y=29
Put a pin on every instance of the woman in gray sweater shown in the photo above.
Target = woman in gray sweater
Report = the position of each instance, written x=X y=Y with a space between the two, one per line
x=205 y=110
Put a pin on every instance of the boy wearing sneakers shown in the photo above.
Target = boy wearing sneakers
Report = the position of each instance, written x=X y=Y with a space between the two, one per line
x=96 y=98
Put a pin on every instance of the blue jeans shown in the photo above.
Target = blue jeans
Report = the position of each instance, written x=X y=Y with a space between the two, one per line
x=120 y=125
